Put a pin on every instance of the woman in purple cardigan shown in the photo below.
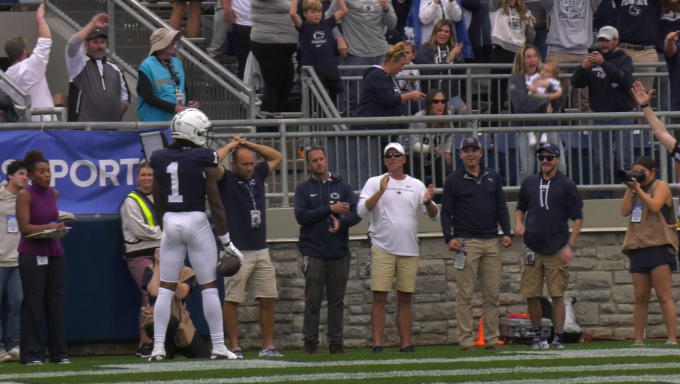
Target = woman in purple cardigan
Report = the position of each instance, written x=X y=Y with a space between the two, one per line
x=41 y=265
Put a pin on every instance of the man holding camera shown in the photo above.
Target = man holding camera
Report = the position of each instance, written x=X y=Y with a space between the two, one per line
x=547 y=200
x=607 y=73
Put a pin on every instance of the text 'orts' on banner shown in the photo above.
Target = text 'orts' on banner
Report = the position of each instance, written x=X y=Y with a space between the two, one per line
x=92 y=170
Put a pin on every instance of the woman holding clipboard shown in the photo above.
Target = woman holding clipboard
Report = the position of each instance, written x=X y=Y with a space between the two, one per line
x=41 y=265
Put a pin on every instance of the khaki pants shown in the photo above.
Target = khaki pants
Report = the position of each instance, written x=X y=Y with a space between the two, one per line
x=579 y=99
x=646 y=56
x=484 y=262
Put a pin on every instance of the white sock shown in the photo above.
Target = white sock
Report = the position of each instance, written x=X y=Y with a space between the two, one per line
x=532 y=138
x=212 y=310
x=544 y=138
x=161 y=314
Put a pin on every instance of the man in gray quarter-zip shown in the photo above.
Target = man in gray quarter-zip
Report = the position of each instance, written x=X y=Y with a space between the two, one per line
x=97 y=87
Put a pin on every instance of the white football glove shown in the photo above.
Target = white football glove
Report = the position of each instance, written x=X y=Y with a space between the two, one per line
x=231 y=250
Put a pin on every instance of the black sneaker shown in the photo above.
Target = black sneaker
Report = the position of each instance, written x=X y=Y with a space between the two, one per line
x=145 y=350
x=407 y=349
x=310 y=349
x=377 y=349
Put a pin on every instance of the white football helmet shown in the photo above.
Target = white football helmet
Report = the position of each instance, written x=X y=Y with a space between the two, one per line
x=192 y=125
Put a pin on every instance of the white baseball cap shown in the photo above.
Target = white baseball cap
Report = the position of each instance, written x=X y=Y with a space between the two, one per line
x=396 y=146
x=608 y=33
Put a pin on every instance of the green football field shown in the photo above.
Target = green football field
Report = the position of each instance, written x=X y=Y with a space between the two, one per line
x=595 y=362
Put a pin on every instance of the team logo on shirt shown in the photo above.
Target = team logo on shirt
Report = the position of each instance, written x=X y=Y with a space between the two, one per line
x=319 y=38
x=671 y=16
x=253 y=182
x=571 y=9
x=514 y=23
x=635 y=11
x=335 y=196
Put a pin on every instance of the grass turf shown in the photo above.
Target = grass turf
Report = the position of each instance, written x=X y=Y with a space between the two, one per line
x=590 y=360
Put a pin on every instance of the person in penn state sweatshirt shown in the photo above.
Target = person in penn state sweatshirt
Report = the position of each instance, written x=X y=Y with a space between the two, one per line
x=325 y=208
x=608 y=74
x=547 y=201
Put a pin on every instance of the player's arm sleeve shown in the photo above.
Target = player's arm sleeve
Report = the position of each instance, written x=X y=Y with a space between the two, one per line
x=209 y=158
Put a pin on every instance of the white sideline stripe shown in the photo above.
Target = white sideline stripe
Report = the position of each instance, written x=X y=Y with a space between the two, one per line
x=319 y=377
x=145 y=367
x=412 y=373
x=665 y=379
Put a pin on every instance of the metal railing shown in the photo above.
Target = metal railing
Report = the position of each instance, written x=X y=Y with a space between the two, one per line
x=22 y=103
x=222 y=95
x=316 y=103
x=480 y=88
x=357 y=154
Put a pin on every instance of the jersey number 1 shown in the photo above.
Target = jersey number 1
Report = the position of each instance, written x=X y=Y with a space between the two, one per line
x=175 y=197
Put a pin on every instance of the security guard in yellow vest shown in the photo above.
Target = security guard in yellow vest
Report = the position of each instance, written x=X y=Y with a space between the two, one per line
x=142 y=236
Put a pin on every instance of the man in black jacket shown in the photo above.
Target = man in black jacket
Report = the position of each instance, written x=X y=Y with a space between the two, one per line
x=548 y=199
x=472 y=208
x=325 y=208
x=608 y=74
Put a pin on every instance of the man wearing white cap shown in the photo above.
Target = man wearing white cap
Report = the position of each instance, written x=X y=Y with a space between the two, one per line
x=393 y=200
x=160 y=80
x=608 y=73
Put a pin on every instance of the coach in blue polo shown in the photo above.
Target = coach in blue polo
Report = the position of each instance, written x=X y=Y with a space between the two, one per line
x=547 y=200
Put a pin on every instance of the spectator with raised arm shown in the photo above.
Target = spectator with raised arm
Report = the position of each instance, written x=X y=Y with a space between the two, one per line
x=511 y=28
x=668 y=23
x=363 y=30
x=441 y=48
x=28 y=71
x=608 y=77
x=160 y=80
x=97 y=88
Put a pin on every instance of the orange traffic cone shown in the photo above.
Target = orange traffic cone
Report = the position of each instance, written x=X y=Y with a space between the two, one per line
x=480 y=338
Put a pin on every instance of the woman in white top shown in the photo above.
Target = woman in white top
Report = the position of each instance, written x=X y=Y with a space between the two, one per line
x=512 y=26
x=432 y=11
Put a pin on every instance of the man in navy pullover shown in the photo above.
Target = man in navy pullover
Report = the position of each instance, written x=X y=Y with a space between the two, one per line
x=472 y=208
x=608 y=76
x=325 y=208
x=547 y=200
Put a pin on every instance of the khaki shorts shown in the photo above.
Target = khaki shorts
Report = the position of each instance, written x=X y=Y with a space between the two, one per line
x=548 y=267
x=384 y=267
x=258 y=273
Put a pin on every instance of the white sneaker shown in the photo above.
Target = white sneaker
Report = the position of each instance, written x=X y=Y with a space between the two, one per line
x=544 y=138
x=542 y=344
x=4 y=356
x=270 y=352
x=15 y=353
x=532 y=138
x=157 y=354
x=219 y=354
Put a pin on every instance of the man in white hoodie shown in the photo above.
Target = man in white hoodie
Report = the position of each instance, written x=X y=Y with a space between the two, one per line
x=10 y=280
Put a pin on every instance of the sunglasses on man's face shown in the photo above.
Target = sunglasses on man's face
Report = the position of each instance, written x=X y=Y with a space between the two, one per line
x=546 y=157
x=438 y=101
x=391 y=155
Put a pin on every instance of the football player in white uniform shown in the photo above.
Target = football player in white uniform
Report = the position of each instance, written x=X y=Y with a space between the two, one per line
x=184 y=174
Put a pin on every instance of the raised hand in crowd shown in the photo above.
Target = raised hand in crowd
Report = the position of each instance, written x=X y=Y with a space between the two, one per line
x=428 y=195
x=641 y=96
x=454 y=52
x=100 y=20
x=383 y=183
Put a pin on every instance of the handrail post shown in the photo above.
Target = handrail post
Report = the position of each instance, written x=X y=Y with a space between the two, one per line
x=285 y=202
x=111 y=10
x=468 y=90
x=663 y=155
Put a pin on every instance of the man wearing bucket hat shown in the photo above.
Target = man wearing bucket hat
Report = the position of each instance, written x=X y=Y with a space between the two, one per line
x=160 y=80
x=97 y=88
x=28 y=71
x=393 y=201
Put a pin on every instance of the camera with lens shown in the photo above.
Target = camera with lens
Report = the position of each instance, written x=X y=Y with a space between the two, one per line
x=628 y=176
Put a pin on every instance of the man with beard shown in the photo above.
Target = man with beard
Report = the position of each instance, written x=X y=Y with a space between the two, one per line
x=548 y=200
x=472 y=208
x=325 y=208
x=608 y=73
x=97 y=88
x=243 y=194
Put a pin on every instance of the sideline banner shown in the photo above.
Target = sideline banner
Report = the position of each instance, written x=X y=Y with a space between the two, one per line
x=92 y=170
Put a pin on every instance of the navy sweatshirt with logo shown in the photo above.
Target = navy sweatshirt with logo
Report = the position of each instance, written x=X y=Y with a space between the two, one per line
x=313 y=200
x=548 y=206
x=473 y=207
x=380 y=97
x=608 y=84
